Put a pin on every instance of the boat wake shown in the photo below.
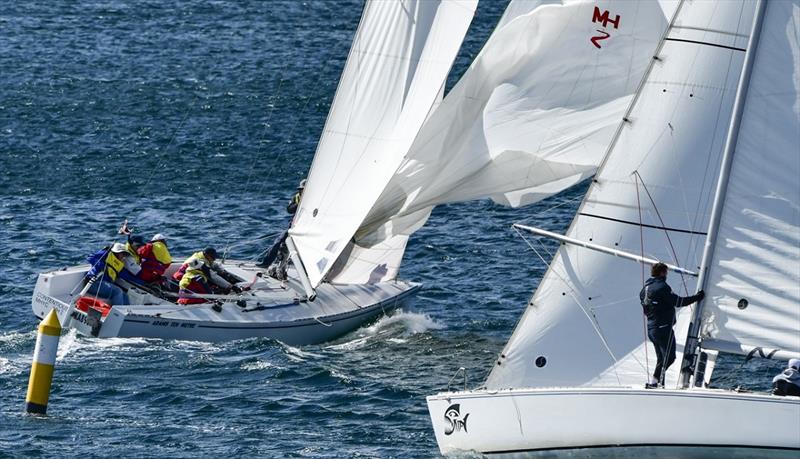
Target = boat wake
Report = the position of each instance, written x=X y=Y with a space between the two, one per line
x=395 y=328
x=66 y=344
x=411 y=323
x=296 y=355
x=16 y=340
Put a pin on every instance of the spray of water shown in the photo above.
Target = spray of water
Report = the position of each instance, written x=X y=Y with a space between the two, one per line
x=391 y=328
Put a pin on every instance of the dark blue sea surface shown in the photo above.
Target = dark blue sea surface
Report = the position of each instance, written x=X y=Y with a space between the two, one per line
x=197 y=119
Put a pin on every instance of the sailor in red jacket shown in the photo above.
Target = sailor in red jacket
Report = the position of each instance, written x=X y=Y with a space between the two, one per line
x=155 y=259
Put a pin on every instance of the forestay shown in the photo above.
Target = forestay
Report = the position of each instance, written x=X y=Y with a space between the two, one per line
x=398 y=63
x=754 y=277
x=584 y=324
x=531 y=116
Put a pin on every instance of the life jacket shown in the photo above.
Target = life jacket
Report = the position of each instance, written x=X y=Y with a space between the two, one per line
x=161 y=252
x=195 y=266
x=294 y=203
x=133 y=253
x=103 y=261
x=155 y=260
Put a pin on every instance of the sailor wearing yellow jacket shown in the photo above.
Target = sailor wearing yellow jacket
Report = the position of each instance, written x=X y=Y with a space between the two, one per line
x=197 y=275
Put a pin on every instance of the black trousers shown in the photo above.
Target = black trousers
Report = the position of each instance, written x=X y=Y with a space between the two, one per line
x=781 y=387
x=663 y=339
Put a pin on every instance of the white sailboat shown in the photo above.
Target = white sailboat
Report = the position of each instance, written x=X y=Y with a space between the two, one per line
x=394 y=76
x=703 y=174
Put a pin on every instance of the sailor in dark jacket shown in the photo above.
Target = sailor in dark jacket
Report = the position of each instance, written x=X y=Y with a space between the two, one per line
x=278 y=249
x=659 y=305
x=788 y=382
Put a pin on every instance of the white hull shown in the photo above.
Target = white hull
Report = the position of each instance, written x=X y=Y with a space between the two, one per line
x=267 y=310
x=617 y=421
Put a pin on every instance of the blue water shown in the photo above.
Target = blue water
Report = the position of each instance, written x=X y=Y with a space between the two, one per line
x=196 y=119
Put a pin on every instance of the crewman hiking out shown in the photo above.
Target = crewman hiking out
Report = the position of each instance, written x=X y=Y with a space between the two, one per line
x=659 y=304
x=200 y=274
x=111 y=267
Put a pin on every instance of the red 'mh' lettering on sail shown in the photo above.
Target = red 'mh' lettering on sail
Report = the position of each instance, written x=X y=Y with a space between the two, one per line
x=604 y=19
x=597 y=17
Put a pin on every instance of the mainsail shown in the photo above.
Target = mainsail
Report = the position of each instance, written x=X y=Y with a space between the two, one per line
x=397 y=67
x=753 y=282
x=532 y=115
x=651 y=196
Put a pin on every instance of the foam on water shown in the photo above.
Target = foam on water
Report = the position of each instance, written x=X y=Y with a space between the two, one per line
x=409 y=322
x=386 y=328
x=6 y=366
x=258 y=365
x=66 y=344
x=15 y=339
x=297 y=355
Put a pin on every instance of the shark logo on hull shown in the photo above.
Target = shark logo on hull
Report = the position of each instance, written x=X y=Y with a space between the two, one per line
x=452 y=415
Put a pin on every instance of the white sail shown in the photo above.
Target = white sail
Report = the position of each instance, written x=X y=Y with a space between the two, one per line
x=532 y=115
x=754 y=277
x=369 y=265
x=377 y=256
x=652 y=196
x=397 y=66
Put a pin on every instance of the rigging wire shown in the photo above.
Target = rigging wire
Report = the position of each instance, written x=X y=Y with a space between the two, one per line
x=666 y=232
x=272 y=102
x=589 y=315
x=641 y=244
x=672 y=338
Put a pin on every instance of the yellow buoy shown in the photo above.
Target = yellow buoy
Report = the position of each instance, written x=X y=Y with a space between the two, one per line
x=44 y=359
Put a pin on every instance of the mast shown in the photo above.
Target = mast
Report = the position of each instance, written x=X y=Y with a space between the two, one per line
x=687 y=366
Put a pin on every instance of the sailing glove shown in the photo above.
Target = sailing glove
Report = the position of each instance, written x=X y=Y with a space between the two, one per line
x=700 y=295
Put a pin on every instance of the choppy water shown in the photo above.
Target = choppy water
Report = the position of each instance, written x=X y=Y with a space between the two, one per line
x=196 y=119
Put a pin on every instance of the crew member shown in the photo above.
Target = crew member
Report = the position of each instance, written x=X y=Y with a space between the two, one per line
x=109 y=267
x=198 y=274
x=155 y=259
x=279 y=251
x=135 y=242
x=291 y=208
x=659 y=304
x=788 y=382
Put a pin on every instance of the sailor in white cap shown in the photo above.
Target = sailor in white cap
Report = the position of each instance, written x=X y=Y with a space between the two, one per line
x=788 y=382
x=110 y=267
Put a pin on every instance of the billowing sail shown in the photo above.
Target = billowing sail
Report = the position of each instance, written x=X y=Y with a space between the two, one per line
x=754 y=276
x=532 y=115
x=652 y=196
x=397 y=66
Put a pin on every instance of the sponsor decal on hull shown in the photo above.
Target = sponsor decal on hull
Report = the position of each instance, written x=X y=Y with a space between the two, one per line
x=455 y=422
